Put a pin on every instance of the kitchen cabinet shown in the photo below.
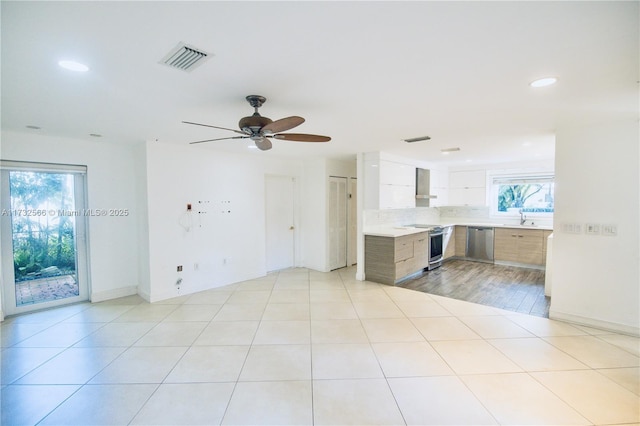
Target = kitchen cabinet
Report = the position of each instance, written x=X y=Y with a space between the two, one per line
x=392 y=185
x=449 y=242
x=460 y=235
x=467 y=188
x=439 y=188
x=515 y=245
x=389 y=259
x=392 y=173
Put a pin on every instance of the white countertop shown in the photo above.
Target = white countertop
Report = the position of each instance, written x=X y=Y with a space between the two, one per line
x=400 y=231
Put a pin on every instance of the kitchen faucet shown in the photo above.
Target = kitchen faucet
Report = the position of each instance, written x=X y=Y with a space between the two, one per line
x=523 y=217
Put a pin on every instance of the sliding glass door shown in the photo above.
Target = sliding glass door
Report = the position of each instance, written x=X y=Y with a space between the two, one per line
x=43 y=236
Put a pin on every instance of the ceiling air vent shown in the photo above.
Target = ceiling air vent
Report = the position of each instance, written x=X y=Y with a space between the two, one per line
x=184 y=57
x=418 y=139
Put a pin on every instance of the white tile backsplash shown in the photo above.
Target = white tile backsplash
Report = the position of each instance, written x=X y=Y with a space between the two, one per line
x=435 y=215
x=400 y=217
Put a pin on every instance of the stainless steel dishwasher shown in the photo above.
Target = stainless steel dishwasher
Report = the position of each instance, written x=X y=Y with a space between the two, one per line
x=480 y=244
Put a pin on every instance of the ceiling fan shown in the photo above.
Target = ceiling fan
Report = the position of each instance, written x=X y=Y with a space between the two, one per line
x=260 y=129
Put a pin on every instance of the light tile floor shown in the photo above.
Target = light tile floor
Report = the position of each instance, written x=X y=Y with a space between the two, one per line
x=302 y=347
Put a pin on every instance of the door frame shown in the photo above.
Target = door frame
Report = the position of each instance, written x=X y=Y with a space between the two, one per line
x=81 y=236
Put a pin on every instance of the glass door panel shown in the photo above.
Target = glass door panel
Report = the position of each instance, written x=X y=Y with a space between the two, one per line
x=44 y=254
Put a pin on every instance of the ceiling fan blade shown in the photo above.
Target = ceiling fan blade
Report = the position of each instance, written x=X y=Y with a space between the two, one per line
x=302 y=137
x=264 y=144
x=215 y=127
x=283 y=124
x=219 y=139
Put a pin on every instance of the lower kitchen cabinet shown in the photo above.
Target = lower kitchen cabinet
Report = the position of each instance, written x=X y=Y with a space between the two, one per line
x=449 y=242
x=387 y=259
x=525 y=246
x=460 y=241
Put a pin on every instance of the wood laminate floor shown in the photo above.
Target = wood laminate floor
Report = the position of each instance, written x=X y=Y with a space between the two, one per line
x=506 y=287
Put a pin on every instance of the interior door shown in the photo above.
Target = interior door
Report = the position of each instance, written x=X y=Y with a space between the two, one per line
x=337 y=222
x=280 y=222
x=43 y=236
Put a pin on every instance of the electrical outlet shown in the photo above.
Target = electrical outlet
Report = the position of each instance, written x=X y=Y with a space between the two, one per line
x=610 y=230
x=179 y=268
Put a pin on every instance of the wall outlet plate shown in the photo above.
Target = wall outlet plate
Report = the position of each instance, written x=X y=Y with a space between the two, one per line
x=571 y=228
x=592 y=229
x=610 y=230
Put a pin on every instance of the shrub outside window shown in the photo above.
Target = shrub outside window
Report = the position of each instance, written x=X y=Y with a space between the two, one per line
x=529 y=194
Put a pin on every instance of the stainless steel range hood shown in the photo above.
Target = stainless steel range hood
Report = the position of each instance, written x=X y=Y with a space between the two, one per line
x=423 y=183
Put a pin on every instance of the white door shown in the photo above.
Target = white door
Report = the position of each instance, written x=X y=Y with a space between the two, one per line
x=280 y=222
x=352 y=237
x=337 y=222
x=43 y=236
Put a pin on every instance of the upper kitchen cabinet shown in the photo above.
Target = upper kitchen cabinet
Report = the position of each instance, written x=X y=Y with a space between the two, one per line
x=389 y=184
x=392 y=173
x=468 y=188
x=397 y=185
x=439 y=188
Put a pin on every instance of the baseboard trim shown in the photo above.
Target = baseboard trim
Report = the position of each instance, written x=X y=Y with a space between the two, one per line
x=146 y=296
x=520 y=265
x=113 y=294
x=595 y=323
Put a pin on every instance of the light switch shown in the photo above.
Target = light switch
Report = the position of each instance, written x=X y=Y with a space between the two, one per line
x=572 y=228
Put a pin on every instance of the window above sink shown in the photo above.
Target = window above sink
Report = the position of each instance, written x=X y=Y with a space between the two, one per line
x=520 y=195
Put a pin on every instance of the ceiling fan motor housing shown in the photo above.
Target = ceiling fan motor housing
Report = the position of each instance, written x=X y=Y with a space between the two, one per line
x=253 y=123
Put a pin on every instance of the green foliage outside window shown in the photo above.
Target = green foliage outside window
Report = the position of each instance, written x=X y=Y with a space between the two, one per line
x=530 y=198
x=42 y=244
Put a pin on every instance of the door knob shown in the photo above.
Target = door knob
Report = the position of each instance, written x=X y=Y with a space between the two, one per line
x=291 y=228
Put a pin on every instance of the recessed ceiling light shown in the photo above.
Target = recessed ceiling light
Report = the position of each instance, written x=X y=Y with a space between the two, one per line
x=543 y=82
x=73 y=66
x=252 y=147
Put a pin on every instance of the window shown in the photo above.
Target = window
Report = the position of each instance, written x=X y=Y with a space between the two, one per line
x=533 y=194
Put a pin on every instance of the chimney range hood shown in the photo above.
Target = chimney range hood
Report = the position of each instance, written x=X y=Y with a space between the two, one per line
x=423 y=195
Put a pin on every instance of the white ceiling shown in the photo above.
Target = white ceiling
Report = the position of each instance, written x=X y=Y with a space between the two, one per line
x=368 y=74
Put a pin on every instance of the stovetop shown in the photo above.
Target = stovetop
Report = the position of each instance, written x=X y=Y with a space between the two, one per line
x=427 y=227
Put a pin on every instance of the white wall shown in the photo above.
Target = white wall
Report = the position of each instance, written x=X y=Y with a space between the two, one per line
x=596 y=278
x=227 y=194
x=314 y=214
x=111 y=182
